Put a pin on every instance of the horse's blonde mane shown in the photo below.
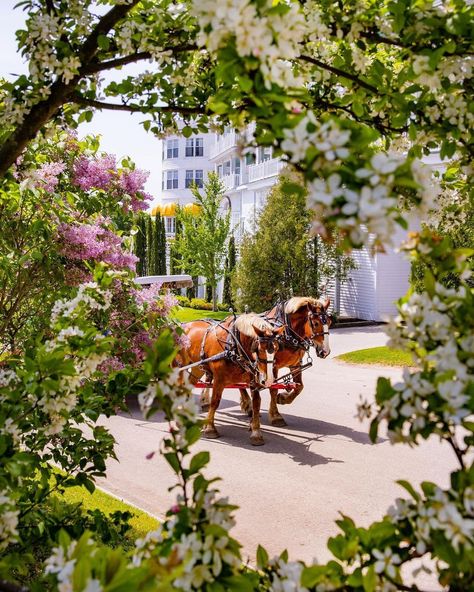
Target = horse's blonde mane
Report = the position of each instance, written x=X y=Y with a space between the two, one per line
x=245 y=324
x=297 y=302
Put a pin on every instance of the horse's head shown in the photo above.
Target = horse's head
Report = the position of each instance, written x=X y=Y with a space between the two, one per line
x=265 y=347
x=318 y=324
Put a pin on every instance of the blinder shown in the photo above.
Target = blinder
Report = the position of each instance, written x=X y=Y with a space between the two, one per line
x=323 y=318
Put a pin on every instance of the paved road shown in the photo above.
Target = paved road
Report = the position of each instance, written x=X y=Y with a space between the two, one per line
x=291 y=489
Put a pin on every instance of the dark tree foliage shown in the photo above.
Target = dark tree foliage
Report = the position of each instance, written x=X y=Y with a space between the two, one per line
x=281 y=259
x=230 y=262
x=140 y=245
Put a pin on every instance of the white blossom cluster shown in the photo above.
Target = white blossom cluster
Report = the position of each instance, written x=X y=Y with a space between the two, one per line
x=8 y=521
x=62 y=564
x=449 y=363
x=286 y=576
x=202 y=555
x=88 y=295
x=176 y=387
x=273 y=38
x=440 y=512
x=372 y=200
x=203 y=559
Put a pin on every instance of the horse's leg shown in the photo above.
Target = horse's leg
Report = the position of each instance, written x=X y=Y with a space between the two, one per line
x=273 y=414
x=245 y=402
x=256 y=437
x=209 y=429
x=205 y=399
x=287 y=398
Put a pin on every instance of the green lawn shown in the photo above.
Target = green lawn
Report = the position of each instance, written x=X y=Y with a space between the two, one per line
x=141 y=522
x=191 y=314
x=378 y=355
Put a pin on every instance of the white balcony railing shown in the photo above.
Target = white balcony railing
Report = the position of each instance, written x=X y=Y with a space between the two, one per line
x=268 y=168
x=231 y=181
x=224 y=143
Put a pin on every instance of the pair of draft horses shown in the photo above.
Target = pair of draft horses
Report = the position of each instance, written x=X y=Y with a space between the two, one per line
x=251 y=349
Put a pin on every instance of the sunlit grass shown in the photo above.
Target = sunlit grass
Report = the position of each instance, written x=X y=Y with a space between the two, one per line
x=140 y=522
x=191 y=314
x=378 y=355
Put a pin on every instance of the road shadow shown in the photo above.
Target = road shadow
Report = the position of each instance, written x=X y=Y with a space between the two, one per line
x=295 y=440
x=235 y=433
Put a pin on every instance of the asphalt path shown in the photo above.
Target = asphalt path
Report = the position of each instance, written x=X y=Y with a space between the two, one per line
x=291 y=490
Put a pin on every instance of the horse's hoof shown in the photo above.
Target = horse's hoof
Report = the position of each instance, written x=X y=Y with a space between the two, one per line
x=257 y=440
x=210 y=433
x=205 y=407
x=278 y=422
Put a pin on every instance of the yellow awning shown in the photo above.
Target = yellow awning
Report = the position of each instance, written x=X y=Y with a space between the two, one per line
x=170 y=209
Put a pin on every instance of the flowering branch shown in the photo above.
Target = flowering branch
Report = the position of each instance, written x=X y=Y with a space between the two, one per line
x=339 y=72
x=80 y=100
x=132 y=59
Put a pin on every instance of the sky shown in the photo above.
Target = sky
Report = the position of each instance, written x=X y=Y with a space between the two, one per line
x=121 y=133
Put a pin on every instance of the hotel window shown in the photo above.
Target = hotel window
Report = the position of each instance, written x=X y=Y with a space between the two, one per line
x=199 y=177
x=170 y=225
x=194 y=177
x=171 y=179
x=171 y=148
x=219 y=170
x=250 y=158
x=227 y=167
x=199 y=147
x=194 y=147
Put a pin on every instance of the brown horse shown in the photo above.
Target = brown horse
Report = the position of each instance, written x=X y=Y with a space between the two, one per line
x=251 y=343
x=306 y=323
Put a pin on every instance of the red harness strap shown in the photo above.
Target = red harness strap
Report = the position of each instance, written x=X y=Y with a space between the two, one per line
x=243 y=385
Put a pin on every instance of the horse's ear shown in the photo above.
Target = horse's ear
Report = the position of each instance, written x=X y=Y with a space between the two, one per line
x=327 y=303
x=280 y=330
x=258 y=331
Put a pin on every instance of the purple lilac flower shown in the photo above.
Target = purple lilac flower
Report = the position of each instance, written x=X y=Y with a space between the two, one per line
x=133 y=181
x=95 y=173
x=93 y=241
x=46 y=177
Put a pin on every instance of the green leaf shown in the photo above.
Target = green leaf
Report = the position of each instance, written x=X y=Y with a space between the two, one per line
x=199 y=461
x=409 y=487
x=369 y=580
x=373 y=431
x=262 y=557
x=103 y=42
x=358 y=108
x=173 y=461
x=187 y=131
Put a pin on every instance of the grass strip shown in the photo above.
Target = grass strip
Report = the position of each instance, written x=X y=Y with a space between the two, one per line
x=140 y=523
x=183 y=315
x=383 y=356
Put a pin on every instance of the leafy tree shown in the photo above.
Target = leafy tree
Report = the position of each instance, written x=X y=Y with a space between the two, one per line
x=157 y=246
x=230 y=262
x=140 y=245
x=151 y=246
x=202 y=243
x=281 y=259
x=453 y=218
x=350 y=95
x=161 y=231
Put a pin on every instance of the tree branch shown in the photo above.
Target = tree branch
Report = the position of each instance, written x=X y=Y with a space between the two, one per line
x=93 y=68
x=45 y=110
x=340 y=73
x=80 y=100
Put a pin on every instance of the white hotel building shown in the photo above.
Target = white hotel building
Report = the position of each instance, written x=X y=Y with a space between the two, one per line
x=371 y=290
